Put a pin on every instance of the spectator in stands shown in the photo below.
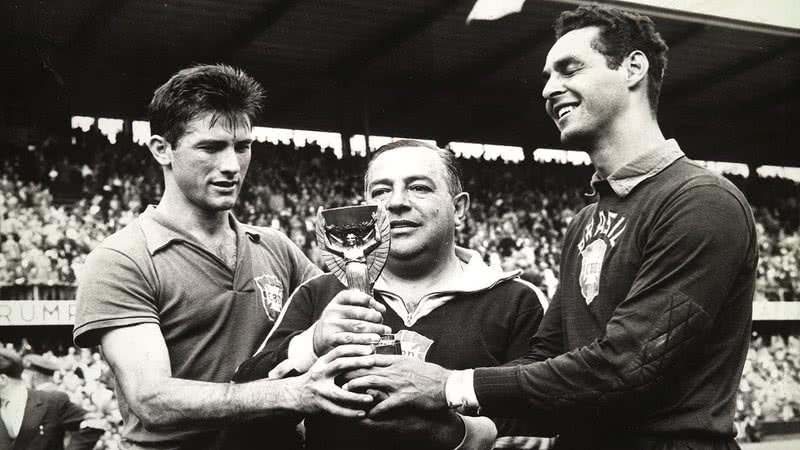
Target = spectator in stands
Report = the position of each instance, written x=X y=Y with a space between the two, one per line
x=644 y=343
x=35 y=419
x=39 y=372
x=184 y=294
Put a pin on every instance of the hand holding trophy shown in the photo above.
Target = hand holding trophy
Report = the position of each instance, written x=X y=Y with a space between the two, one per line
x=355 y=244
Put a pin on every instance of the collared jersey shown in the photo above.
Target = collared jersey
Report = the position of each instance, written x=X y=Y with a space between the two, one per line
x=212 y=316
x=645 y=340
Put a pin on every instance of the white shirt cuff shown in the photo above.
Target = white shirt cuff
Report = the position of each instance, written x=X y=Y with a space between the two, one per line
x=479 y=433
x=301 y=350
x=459 y=390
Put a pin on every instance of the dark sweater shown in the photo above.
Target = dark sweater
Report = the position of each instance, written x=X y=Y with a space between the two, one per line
x=483 y=327
x=644 y=343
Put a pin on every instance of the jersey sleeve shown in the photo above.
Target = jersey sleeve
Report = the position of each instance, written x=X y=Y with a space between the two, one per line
x=113 y=291
x=695 y=252
x=304 y=269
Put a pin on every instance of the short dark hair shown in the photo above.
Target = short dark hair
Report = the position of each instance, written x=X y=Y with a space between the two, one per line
x=218 y=89
x=448 y=158
x=621 y=32
x=10 y=363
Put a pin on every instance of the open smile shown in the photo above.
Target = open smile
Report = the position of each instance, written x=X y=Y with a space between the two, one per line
x=562 y=110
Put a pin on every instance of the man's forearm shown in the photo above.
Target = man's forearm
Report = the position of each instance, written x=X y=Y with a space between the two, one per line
x=177 y=402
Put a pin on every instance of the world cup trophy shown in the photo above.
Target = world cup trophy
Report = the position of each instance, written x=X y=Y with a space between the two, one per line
x=355 y=244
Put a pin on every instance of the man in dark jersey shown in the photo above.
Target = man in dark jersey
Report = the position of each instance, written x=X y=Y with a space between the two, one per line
x=441 y=301
x=185 y=293
x=644 y=342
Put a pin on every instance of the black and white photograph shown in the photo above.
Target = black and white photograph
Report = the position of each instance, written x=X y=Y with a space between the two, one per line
x=410 y=225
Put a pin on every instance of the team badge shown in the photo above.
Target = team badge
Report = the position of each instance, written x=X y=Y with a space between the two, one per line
x=413 y=343
x=592 y=257
x=271 y=290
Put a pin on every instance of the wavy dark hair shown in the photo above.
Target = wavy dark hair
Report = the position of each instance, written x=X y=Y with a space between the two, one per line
x=621 y=32
x=223 y=91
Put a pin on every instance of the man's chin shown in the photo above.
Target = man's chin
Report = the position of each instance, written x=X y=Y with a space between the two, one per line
x=402 y=254
x=220 y=206
x=575 y=140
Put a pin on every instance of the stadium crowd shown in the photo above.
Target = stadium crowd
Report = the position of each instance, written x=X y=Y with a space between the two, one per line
x=518 y=216
x=58 y=200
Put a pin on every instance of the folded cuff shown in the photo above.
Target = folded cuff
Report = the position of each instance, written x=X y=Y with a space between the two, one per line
x=479 y=433
x=459 y=390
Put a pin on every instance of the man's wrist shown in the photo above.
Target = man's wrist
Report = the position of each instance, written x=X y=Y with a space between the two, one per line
x=291 y=393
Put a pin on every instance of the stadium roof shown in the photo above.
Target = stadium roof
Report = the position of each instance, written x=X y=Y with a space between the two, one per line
x=410 y=68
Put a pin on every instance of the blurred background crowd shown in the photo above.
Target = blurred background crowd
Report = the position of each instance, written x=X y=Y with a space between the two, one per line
x=58 y=200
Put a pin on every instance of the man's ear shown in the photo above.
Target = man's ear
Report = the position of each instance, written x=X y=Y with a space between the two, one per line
x=161 y=150
x=461 y=203
x=636 y=67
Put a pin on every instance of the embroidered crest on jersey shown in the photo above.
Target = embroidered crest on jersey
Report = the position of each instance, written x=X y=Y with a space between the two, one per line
x=413 y=343
x=597 y=239
x=270 y=289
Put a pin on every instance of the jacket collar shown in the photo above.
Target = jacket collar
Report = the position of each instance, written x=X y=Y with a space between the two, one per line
x=476 y=277
x=648 y=165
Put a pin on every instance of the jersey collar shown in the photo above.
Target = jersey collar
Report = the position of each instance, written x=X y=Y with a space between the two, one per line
x=648 y=165
x=160 y=232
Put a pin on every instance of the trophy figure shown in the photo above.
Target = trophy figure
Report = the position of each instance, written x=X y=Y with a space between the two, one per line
x=355 y=243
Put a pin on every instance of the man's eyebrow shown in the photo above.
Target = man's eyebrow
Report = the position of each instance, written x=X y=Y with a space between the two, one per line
x=211 y=142
x=407 y=180
x=218 y=142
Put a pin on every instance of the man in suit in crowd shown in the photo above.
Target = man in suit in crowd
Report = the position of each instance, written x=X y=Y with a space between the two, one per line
x=39 y=371
x=37 y=420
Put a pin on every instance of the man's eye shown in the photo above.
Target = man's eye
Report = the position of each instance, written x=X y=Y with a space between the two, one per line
x=378 y=192
x=242 y=148
x=420 y=188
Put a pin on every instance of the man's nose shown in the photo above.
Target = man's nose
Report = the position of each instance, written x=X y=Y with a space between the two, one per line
x=552 y=87
x=229 y=163
x=397 y=199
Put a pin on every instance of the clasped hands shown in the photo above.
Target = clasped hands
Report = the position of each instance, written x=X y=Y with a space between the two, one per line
x=394 y=392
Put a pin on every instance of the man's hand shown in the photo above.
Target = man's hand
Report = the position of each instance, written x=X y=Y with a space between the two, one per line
x=408 y=382
x=351 y=317
x=317 y=392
